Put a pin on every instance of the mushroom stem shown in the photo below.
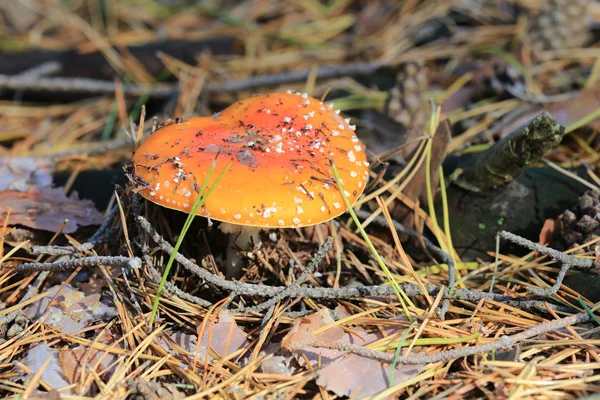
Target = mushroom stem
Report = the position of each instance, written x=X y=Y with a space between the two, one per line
x=240 y=238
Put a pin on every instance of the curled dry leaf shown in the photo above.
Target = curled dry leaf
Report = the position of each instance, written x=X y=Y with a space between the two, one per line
x=343 y=373
x=416 y=189
x=47 y=209
x=548 y=232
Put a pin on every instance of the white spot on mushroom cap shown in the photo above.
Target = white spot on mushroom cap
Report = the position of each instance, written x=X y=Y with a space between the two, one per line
x=323 y=209
x=281 y=222
x=337 y=205
x=351 y=156
x=299 y=210
x=268 y=211
x=296 y=221
x=237 y=216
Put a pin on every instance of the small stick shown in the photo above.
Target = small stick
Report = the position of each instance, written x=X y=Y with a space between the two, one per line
x=96 y=86
x=421 y=358
x=93 y=261
x=248 y=289
x=555 y=254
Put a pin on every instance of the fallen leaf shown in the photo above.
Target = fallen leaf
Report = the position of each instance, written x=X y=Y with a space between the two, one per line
x=21 y=173
x=547 y=232
x=565 y=111
x=224 y=336
x=343 y=373
x=358 y=377
x=71 y=311
x=35 y=358
x=303 y=330
x=416 y=189
x=47 y=209
x=573 y=109
x=72 y=361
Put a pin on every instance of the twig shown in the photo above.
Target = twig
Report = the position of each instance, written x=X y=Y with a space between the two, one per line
x=91 y=149
x=248 y=289
x=503 y=342
x=310 y=268
x=555 y=254
x=325 y=72
x=43 y=69
x=551 y=291
x=97 y=87
x=156 y=277
x=93 y=261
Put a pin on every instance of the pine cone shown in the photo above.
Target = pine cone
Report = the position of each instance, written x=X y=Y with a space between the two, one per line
x=581 y=224
x=560 y=24
x=406 y=103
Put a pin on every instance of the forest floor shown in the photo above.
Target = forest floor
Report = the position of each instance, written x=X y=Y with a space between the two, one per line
x=415 y=295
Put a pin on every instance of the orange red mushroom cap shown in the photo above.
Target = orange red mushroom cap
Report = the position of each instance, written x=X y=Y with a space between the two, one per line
x=281 y=145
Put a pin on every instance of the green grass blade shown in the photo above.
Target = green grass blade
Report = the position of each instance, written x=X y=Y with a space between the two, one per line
x=200 y=200
x=397 y=289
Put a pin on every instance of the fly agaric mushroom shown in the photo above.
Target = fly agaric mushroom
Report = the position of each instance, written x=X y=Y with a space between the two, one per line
x=281 y=145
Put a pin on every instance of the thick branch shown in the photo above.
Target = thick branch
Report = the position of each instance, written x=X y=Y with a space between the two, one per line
x=504 y=161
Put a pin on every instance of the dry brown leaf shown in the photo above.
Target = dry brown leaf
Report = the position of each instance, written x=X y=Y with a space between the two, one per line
x=47 y=209
x=571 y=110
x=343 y=373
x=71 y=311
x=223 y=336
x=71 y=361
x=358 y=377
x=303 y=328
x=417 y=188
x=35 y=358
x=565 y=112
x=547 y=232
